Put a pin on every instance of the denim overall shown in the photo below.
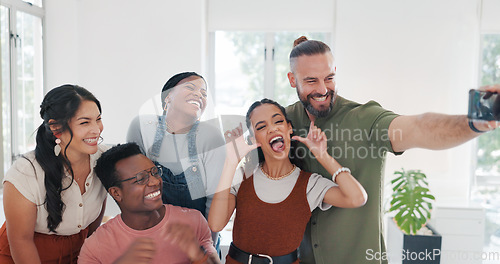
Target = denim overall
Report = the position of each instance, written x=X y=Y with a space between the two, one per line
x=178 y=189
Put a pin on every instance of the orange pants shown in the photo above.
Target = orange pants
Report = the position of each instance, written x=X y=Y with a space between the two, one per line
x=52 y=249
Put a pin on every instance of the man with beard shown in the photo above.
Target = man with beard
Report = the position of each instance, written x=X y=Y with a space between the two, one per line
x=359 y=136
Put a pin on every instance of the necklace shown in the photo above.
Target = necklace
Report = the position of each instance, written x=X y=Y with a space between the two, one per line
x=280 y=177
x=171 y=130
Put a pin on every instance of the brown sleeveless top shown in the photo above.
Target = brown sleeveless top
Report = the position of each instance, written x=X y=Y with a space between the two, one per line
x=271 y=229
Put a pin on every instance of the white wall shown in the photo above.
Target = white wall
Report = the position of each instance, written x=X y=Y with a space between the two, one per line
x=275 y=15
x=490 y=20
x=411 y=56
x=123 y=51
x=61 y=43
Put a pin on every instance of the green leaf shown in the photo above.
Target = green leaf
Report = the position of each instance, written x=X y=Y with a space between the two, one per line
x=411 y=200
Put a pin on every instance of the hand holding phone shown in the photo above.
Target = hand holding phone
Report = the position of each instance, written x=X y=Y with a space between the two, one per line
x=484 y=105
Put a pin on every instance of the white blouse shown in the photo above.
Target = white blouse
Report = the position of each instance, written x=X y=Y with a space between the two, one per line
x=80 y=210
x=275 y=191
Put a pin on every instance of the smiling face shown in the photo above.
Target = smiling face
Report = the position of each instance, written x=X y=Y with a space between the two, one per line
x=314 y=79
x=86 y=126
x=132 y=196
x=272 y=131
x=188 y=97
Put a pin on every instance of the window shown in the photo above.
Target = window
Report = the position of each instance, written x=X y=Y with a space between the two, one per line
x=486 y=178
x=21 y=37
x=249 y=66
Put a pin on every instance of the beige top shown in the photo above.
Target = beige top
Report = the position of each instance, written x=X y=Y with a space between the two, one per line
x=276 y=191
x=80 y=210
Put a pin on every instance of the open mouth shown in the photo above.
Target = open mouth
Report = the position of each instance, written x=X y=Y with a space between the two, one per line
x=195 y=102
x=153 y=195
x=277 y=143
x=320 y=98
x=91 y=140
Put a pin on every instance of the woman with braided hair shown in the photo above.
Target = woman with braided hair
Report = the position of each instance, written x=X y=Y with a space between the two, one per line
x=274 y=200
x=190 y=152
x=52 y=198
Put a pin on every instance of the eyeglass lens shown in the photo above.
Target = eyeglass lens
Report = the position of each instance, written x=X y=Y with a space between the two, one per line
x=143 y=176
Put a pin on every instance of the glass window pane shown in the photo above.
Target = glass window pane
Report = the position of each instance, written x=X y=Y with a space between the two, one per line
x=5 y=93
x=239 y=70
x=29 y=90
x=488 y=147
x=283 y=44
x=486 y=187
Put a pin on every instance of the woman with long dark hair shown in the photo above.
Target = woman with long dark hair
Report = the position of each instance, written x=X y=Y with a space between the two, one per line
x=52 y=199
x=274 y=202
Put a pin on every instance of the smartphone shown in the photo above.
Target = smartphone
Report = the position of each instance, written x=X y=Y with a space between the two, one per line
x=484 y=105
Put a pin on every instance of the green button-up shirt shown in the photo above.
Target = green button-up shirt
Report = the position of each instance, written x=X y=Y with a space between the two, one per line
x=358 y=138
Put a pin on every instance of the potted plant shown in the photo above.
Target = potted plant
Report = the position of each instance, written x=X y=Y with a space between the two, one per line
x=411 y=204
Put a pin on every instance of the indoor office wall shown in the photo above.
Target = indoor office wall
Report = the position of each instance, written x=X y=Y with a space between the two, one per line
x=61 y=43
x=490 y=20
x=413 y=57
x=275 y=15
x=123 y=51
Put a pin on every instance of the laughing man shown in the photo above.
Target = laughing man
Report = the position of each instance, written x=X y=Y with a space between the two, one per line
x=146 y=231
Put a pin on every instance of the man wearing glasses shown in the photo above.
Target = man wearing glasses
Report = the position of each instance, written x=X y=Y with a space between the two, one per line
x=146 y=231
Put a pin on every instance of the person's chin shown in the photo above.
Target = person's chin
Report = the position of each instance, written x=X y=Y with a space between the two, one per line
x=90 y=150
x=194 y=114
x=320 y=109
x=277 y=155
x=159 y=205
x=319 y=106
x=321 y=112
x=154 y=205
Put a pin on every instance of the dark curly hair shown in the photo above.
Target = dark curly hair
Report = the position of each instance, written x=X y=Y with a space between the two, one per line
x=58 y=106
x=294 y=153
x=173 y=81
x=105 y=168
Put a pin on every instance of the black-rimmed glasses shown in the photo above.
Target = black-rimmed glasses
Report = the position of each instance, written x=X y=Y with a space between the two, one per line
x=143 y=176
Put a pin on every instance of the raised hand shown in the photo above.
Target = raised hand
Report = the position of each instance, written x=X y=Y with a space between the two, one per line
x=316 y=141
x=488 y=125
x=141 y=251
x=223 y=202
x=236 y=147
x=185 y=238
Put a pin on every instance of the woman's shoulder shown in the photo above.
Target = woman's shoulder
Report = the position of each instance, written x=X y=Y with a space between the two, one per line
x=142 y=126
x=25 y=167
x=208 y=133
x=141 y=120
x=25 y=162
x=314 y=176
x=103 y=148
x=319 y=181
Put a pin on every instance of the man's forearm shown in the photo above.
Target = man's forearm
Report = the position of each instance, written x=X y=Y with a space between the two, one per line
x=432 y=131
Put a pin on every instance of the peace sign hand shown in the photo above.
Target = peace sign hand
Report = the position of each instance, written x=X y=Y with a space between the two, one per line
x=236 y=147
x=316 y=141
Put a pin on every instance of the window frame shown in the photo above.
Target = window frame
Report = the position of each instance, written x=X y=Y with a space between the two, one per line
x=15 y=6
x=269 y=80
x=488 y=180
x=484 y=179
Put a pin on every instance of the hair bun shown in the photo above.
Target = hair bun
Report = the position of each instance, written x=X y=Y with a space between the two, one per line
x=299 y=40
